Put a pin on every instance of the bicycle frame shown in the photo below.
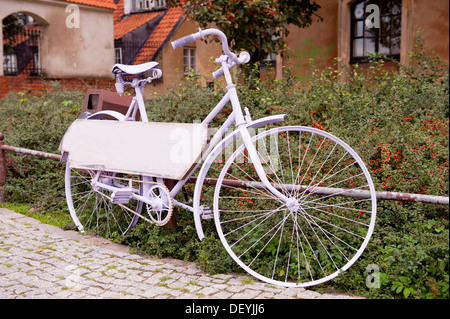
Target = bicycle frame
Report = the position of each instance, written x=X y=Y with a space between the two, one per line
x=230 y=96
x=236 y=117
x=242 y=122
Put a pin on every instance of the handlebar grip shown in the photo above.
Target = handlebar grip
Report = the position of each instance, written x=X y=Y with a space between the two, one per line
x=183 y=41
x=218 y=73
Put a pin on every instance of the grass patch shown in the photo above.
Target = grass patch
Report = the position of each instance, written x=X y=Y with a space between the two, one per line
x=54 y=218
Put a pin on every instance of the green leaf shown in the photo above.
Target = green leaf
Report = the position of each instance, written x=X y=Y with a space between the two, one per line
x=406 y=292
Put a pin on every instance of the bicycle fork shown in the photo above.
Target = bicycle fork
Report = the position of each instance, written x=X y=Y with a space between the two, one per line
x=251 y=148
x=253 y=155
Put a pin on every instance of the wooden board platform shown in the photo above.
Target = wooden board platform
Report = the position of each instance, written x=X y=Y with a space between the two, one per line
x=167 y=150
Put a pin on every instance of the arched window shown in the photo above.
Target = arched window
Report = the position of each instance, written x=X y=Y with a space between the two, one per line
x=376 y=27
x=21 y=36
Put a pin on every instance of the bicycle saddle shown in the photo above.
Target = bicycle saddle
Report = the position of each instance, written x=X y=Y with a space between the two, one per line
x=133 y=69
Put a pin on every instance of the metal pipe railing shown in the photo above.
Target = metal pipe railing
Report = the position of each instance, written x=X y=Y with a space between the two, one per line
x=396 y=196
x=2 y=169
x=404 y=197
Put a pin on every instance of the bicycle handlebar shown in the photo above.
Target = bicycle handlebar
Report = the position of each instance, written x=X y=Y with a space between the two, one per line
x=183 y=41
x=201 y=34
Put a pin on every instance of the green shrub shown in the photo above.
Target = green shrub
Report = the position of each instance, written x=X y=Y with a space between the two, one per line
x=37 y=123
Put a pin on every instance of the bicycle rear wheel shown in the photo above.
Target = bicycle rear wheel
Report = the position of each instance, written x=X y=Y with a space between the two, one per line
x=91 y=209
x=323 y=228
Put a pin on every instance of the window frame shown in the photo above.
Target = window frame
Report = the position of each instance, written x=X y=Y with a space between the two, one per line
x=118 y=58
x=192 y=53
x=393 y=33
x=36 y=63
x=143 y=5
x=10 y=65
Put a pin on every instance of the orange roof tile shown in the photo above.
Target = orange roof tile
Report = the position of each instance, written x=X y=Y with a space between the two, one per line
x=119 y=12
x=167 y=24
x=132 y=22
x=23 y=35
x=109 y=4
x=160 y=34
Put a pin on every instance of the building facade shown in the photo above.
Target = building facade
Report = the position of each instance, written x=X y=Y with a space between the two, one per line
x=352 y=28
x=75 y=37
x=82 y=39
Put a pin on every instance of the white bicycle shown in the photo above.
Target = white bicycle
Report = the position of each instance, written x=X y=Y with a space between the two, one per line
x=293 y=206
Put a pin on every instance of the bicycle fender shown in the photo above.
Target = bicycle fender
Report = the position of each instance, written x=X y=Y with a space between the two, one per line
x=210 y=159
x=114 y=114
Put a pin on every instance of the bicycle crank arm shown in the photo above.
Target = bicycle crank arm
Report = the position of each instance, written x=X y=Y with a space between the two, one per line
x=155 y=203
x=125 y=207
x=119 y=195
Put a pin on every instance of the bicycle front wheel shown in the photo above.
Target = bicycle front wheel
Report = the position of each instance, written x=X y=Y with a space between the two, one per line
x=324 y=226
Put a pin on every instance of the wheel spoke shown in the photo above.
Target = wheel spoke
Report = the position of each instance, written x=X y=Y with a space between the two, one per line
x=93 y=210
x=311 y=237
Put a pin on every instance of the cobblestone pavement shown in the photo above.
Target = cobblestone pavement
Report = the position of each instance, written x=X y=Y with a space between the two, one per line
x=43 y=261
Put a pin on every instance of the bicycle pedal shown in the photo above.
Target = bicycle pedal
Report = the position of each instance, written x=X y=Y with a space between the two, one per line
x=206 y=213
x=121 y=196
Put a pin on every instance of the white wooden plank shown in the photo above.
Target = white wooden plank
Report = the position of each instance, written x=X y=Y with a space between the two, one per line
x=167 y=150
